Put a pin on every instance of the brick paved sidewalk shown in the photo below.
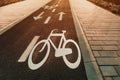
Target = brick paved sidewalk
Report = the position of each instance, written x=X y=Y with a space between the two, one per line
x=14 y=13
x=102 y=30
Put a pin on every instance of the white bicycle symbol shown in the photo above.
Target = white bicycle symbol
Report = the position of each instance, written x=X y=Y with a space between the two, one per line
x=60 y=51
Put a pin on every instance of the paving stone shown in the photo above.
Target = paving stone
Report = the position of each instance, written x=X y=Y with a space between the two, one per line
x=96 y=53
x=99 y=38
x=106 y=38
x=118 y=59
x=90 y=31
x=119 y=47
x=108 y=54
x=89 y=34
x=110 y=48
x=108 y=78
x=89 y=38
x=107 y=61
x=111 y=43
x=106 y=51
x=119 y=42
x=116 y=78
x=108 y=71
x=96 y=43
x=118 y=69
x=96 y=48
x=118 y=52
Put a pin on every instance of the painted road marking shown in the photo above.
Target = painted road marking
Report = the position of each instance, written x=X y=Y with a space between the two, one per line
x=53 y=10
x=60 y=51
x=61 y=16
x=51 y=7
x=26 y=53
x=39 y=16
x=47 y=20
x=46 y=7
x=59 y=2
x=56 y=5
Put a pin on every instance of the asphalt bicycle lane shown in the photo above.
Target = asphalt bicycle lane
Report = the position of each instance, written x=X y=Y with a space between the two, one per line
x=41 y=23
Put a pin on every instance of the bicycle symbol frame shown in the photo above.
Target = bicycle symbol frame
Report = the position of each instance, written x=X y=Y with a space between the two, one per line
x=60 y=51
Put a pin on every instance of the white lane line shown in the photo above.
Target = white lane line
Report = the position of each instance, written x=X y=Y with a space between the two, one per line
x=47 y=20
x=26 y=53
x=53 y=10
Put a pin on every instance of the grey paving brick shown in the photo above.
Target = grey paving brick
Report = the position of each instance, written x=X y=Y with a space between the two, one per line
x=89 y=38
x=96 y=48
x=99 y=38
x=118 y=52
x=96 y=53
x=119 y=47
x=111 y=43
x=108 y=78
x=106 y=38
x=118 y=59
x=89 y=34
x=108 y=71
x=108 y=54
x=104 y=35
x=117 y=69
x=107 y=61
x=116 y=78
x=119 y=42
x=110 y=48
x=96 y=43
x=90 y=31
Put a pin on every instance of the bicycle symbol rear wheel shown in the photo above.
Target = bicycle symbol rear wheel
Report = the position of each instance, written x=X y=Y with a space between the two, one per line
x=77 y=62
x=31 y=64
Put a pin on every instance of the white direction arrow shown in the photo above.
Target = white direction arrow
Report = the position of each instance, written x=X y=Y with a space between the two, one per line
x=39 y=16
x=56 y=5
x=61 y=16
x=51 y=7
x=46 y=7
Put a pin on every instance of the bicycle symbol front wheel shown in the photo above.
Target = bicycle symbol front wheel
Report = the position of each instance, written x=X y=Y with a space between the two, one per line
x=75 y=64
x=31 y=64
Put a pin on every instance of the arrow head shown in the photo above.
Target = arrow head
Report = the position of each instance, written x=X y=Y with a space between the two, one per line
x=36 y=18
x=61 y=13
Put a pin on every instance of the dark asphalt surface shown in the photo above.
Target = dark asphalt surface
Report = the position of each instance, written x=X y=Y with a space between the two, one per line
x=15 y=41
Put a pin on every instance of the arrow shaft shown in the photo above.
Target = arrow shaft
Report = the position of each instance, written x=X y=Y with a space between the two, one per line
x=60 y=17
x=46 y=7
x=41 y=14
